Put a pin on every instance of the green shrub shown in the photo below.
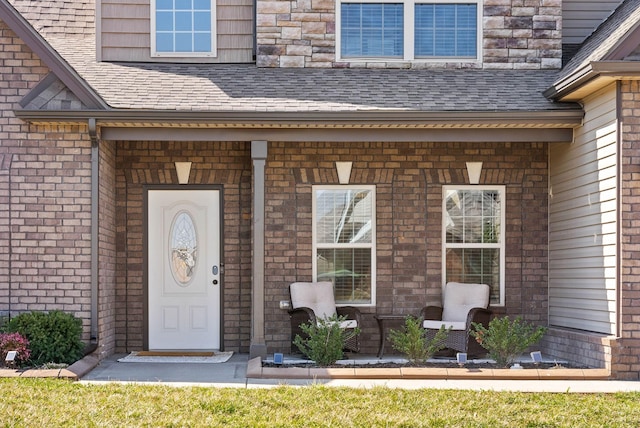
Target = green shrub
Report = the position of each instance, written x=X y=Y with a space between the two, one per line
x=412 y=340
x=325 y=339
x=505 y=340
x=54 y=337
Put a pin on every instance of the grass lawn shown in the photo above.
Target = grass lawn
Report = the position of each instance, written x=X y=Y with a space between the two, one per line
x=54 y=402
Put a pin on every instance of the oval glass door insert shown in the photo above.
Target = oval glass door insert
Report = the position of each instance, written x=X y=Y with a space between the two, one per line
x=183 y=248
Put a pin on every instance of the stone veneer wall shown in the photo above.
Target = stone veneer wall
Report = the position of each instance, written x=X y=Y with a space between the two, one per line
x=45 y=200
x=409 y=179
x=519 y=34
x=142 y=164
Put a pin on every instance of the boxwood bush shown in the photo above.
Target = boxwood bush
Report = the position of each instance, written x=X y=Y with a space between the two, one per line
x=54 y=337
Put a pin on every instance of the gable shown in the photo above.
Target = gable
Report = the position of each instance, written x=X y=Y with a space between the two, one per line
x=52 y=94
x=48 y=55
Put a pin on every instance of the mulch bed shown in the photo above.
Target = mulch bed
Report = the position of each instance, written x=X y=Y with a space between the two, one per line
x=443 y=364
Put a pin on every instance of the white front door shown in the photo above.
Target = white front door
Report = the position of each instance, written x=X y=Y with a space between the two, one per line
x=184 y=269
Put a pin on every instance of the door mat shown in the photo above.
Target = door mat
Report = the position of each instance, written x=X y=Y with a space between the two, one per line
x=136 y=357
x=174 y=354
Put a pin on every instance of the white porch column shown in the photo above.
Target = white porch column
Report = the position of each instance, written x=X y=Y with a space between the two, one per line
x=258 y=348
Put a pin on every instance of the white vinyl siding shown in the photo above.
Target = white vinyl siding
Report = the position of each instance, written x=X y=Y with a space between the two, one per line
x=124 y=32
x=580 y=18
x=583 y=222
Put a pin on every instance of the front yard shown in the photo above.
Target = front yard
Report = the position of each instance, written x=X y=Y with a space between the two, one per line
x=42 y=402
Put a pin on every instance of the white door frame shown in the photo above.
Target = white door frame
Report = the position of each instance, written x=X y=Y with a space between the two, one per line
x=220 y=286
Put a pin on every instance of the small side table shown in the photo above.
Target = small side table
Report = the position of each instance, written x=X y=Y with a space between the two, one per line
x=384 y=322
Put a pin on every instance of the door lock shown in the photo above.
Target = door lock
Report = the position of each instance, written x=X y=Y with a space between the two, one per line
x=214 y=282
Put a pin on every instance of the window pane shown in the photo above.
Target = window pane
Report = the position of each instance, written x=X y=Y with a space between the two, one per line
x=184 y=42
x=473 y=216
x=183 y=4
x=202 y=42
x=202 y=5
x=184 y=248
x=349 y=270
x=183 y=21
x=477 y=266
x=164 y=21
x=446 y=30
x=343 y=216
x=202 y=21
x=372 y=29
x=164 y=4
x=164 y=42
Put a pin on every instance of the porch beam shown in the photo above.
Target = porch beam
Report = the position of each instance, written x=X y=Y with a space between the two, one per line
x=258 y=347
x=344 y=135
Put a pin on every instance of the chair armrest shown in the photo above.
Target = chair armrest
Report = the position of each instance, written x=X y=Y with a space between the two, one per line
x=351 y=312
x=478 y=315
x=433 y=313
x=301 y=315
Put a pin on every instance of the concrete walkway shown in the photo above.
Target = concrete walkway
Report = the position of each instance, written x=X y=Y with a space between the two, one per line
x=233 y=374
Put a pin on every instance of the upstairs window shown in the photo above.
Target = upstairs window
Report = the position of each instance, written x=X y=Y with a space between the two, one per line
x=183 y=28
x=409 y=30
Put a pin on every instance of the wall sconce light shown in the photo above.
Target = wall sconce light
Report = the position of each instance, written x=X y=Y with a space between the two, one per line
x=474 y=169
x=344 y=171
x=183 y=169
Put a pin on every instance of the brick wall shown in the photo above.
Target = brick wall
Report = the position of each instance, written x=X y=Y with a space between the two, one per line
x=590 y=349
x=151 y=163
x=409 y=179
x=107 y=250
x=45 y=200
x=626 y=352
x=516 y=34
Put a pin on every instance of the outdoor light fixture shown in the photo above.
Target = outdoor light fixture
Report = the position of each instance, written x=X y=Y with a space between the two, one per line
x=11 y=357
x=536 y=356
x=461 y=357
x=474 y=169
x=344 y=171
x=285 y=304
x=183 y=169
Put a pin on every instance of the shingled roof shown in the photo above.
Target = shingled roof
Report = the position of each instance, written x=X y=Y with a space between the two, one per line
x=599 y=45
x=68 y=26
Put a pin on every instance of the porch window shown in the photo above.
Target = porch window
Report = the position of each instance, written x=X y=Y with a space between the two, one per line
x=182 y=28
x=344 y=241
x=473 y=228
x=437 y=30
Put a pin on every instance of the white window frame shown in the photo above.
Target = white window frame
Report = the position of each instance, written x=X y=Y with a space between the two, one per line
x=500 y=245
x=371 y=245
x=214 y=37
x=409 y=7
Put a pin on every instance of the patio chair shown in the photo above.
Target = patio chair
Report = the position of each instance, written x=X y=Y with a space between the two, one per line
x=312 y=300
x=462 y=305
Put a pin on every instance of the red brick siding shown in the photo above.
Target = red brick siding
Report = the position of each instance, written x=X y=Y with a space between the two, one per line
x=409 y=179
x=152 y=163
x=45 y=210
x=626 y=350
x=107 y=250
